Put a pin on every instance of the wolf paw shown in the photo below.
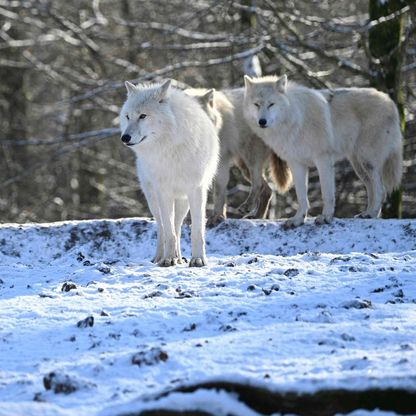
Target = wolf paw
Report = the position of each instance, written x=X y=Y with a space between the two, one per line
x=182 y=260
x=170 y=261
x=323 y=219
x=156 y=259
x=292 y=223
x=215 y=220
x=197 y=262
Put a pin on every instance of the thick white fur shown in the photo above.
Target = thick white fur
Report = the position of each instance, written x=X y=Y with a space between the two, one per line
x=306 y=127
x=237 y=143
x=367 y=132
x=298 y=128
x=177 y=154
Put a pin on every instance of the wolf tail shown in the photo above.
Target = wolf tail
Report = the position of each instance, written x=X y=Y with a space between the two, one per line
x=393 y=169
x=281 y=174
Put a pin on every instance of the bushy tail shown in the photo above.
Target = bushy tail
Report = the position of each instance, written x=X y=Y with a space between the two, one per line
x=392 y=170
x=281 y=174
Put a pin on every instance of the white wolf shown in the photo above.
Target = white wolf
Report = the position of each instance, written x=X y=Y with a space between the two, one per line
x=240 y=145
x=177 y=154
x=307 y=127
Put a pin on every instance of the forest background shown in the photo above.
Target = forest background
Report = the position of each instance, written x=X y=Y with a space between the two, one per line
x=63 y=67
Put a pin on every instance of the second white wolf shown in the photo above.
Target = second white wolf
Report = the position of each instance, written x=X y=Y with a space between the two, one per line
x=240 y=145
x=315 y=128
x=177 y=148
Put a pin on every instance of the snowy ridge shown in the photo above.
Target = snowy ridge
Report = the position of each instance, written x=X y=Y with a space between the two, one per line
x=330 y=307
x=134 y=239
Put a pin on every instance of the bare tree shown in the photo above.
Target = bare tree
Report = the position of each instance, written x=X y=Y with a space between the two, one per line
x=63 y=66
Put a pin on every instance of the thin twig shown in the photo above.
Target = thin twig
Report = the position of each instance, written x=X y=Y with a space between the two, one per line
x=56 y=155
x=76 y=137
x=164 y=71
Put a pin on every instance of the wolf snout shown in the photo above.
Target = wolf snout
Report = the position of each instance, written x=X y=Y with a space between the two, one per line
x=263 y=123
x=125 y=138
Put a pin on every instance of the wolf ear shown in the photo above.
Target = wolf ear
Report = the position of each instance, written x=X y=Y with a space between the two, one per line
x=281 y=84
x=248 y=81
x=163 y=90
x=130 y=87
x=208 y=98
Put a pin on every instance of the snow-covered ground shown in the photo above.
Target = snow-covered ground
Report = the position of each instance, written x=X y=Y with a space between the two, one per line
x=302 y=310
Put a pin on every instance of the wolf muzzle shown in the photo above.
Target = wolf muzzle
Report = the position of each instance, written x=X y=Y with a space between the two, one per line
x=125 y=138
x=263 y=123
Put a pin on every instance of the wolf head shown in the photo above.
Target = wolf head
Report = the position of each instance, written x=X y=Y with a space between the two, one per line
x=206 y=99
x=265 y=100
x=145 y=114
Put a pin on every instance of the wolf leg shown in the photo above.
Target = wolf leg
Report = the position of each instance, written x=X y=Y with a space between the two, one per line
x=167 y=213
x=300 y=178
x=220 y=189
x=151 y=199
x=181 y=209
x=257 y=203
x=197 y=203
x=326 y=172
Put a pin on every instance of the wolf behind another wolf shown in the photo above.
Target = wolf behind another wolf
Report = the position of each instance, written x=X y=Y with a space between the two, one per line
x=240 y=145
x=312 y=128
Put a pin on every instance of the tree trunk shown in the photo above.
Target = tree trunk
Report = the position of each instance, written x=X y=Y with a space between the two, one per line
x=128 y=16
x=13 y=109
x=385 y=41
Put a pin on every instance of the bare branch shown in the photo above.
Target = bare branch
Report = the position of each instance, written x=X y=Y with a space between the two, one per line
x=180 y=31
x=341 y=63
x=24 y=43
x=40 y=66
x=60 y=152
x=36 y=22
x=166 y=70
x=346 y=25
x=77 y=137
x=408 y=68
x=75 y=30
x=314 y=77
x=14 y=64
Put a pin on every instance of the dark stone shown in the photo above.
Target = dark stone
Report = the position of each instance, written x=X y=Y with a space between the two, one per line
x=68 y=286
x=85 y=323
x=150 y=357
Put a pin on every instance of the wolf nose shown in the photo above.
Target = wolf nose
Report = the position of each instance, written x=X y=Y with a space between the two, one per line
x=262 y=122
x=125 y=138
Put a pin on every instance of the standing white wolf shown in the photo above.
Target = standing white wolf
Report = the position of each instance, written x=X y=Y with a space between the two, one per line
x=177 y=154
x=307 y=127
x=240 y=145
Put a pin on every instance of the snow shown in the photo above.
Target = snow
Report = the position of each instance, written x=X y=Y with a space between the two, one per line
x=300 y=310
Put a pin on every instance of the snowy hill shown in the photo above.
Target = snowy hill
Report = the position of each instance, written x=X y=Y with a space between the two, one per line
x=89 y=326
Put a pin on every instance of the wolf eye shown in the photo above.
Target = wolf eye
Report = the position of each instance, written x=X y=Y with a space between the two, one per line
x=270 y=105
x=142 y=116
x=257 y=105
x=127 y=117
